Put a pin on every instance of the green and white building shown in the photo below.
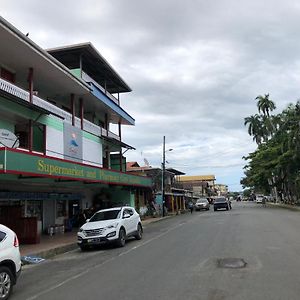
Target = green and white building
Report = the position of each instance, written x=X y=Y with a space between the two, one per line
x=58 y=152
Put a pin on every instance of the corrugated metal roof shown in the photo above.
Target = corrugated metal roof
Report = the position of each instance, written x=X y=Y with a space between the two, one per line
x=197 y=178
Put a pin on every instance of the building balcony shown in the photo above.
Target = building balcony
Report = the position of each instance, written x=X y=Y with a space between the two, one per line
x=23 y=95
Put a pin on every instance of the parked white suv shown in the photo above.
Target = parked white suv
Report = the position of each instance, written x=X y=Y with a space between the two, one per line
x=110 y=225
x=10 y=261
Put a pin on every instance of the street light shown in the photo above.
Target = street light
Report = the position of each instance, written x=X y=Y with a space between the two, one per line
x=163 y=175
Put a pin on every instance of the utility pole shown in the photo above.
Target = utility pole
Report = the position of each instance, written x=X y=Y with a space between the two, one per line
x=163 y=176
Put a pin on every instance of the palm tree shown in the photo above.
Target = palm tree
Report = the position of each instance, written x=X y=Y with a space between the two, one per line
x=254 y=127
x=265 y=105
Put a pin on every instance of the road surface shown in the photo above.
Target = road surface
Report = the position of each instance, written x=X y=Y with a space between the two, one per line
x=249 y=252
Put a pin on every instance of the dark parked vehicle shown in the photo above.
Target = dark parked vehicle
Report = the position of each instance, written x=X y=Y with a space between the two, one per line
x=221 y=202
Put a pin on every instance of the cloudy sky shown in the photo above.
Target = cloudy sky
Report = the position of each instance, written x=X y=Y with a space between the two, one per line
x=195 y=68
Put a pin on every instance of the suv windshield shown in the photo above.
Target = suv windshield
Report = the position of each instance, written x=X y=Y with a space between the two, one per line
x=105 y=215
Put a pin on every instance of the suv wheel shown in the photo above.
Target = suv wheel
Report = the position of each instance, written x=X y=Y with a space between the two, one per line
x=6 y=282
x=122 y=238
x=139 y=233
x=83 y=247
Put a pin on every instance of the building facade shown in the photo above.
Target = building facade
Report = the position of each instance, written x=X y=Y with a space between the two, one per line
x=58 y=153
x=176 y=198
x=221 y=189
x=202 y=185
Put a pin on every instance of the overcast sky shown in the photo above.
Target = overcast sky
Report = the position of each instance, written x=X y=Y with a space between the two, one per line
x=195 y=68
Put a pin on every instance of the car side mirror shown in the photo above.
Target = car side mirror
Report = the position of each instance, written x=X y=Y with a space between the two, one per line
x=126 y=216
x=87 y=220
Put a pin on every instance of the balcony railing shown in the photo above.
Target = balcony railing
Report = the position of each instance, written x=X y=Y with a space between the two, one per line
x=88 y=78
x=14 y=90
x=24 y=95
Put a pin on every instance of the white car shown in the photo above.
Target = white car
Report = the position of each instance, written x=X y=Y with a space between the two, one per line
x=10 y=261
x=259 y=198
x=110 y=225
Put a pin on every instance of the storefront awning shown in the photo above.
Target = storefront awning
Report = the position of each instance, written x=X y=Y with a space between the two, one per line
x=119 y=143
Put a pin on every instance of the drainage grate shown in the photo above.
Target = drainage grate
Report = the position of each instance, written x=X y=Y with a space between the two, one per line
x=231 y=263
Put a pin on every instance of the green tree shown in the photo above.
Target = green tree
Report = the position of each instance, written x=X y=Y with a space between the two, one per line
x=265 y=104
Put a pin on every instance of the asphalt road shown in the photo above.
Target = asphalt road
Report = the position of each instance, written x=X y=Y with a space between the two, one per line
x=183 y=258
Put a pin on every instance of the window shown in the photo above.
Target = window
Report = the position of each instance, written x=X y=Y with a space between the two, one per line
x=34 y=209
x=2 y=236
x=61 y=210
x=7 y=75
x=22 y=130
x=38 y=141
x=127 y=211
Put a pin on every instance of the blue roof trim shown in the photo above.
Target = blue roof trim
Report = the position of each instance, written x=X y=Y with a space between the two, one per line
x=101 y=96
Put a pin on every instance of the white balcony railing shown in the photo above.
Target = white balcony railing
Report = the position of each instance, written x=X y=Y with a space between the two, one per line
x=52 y=108
x=14 y=90
x=24 y=95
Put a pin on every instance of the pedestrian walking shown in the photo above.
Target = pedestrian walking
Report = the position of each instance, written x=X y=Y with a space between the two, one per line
x=263 y=201
x=191 y=207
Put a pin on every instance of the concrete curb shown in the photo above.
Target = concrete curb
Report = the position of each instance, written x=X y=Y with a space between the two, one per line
x=50 y=253
x=284 y=206
x=155 y=220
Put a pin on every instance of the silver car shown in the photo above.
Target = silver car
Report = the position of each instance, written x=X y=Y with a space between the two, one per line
x=202 y=203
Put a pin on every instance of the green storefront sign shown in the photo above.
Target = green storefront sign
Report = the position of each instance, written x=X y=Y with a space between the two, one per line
x=14 y=161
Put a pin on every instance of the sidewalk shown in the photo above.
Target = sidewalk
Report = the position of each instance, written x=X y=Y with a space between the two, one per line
x=61 y=243
x=286 y=206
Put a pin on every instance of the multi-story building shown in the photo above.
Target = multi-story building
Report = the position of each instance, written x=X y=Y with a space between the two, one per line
x=202 y=185
x=58 y=153
x=175 y=197
x=221 y=189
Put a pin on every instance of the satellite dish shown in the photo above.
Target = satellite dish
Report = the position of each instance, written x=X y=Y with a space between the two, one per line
x=8 y=139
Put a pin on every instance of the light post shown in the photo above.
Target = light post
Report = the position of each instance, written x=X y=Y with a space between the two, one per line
x=163 y=166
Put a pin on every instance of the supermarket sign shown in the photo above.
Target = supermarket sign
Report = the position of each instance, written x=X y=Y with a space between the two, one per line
x=14 y=161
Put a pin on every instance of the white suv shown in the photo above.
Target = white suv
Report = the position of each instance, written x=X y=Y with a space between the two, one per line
x=10 y=261
x=110 y=225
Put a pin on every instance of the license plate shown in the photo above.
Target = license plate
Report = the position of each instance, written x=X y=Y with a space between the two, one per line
x=93 y=240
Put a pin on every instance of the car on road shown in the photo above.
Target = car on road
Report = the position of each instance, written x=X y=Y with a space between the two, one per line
x=221 y=202
x=113 y=225
x=259 y=198
x=202 y=203
x=10 y=261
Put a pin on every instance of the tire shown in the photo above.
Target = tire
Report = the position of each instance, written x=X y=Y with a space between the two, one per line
x=6 y=279
x=83 y=248
x=139 y=233
x=122 y=238
x=215 y=209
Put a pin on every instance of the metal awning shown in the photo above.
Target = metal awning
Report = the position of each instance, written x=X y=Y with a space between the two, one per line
x=118 y=143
